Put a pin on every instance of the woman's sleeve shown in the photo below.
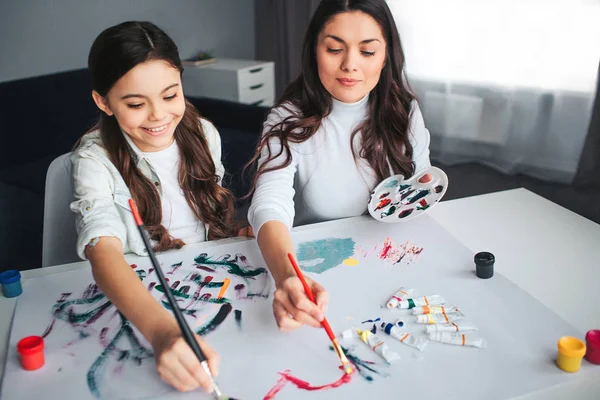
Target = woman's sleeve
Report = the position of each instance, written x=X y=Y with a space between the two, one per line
x=419 y=138
x=273 y=198
x=96 y=213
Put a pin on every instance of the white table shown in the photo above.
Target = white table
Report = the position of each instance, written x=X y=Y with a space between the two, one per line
x=547 y=250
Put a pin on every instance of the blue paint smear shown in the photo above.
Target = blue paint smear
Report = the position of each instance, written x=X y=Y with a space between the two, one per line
x=324 y=254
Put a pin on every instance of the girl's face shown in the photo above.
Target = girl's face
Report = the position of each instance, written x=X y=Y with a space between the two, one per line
x=148 y=104
x=350 y=55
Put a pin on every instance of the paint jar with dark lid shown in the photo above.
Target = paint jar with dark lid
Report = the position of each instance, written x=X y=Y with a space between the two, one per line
x=484 y=265
x=11 y=283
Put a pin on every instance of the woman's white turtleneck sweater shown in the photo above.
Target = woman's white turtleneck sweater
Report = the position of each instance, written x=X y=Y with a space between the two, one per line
x=324 y=181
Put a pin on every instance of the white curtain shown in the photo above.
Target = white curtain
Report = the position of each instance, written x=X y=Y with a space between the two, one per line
x=508 y=83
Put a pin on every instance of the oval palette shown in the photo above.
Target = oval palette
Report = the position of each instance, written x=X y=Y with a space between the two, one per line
x=397 y=199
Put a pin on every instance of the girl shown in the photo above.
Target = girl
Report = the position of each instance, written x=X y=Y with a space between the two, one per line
x=151 y=145
x=346 y=123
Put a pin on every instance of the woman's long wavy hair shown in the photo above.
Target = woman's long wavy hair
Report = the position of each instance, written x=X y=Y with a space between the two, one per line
x=115 y=51
x=384 y=135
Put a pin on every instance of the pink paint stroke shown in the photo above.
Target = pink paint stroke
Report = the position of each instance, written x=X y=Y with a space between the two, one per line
x=300 y=384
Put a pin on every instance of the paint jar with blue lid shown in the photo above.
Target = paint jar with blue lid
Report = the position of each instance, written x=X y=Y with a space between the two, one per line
x=11 y=283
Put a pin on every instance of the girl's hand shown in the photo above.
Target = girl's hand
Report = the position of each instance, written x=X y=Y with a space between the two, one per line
x=177 y=363
x=292 y=308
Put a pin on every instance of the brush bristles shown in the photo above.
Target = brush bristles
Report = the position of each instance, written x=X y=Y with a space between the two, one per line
x=345 y=363
x=348 y=368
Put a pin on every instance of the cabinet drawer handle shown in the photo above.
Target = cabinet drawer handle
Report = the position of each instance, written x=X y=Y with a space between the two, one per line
x=257 y=103
x=258 y=86
x=255 y=70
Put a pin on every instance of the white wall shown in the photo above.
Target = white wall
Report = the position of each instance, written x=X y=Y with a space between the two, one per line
x=44 y=37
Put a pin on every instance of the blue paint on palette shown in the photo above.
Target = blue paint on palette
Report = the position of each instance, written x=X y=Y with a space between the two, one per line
x=321 y=255
x=391 y=184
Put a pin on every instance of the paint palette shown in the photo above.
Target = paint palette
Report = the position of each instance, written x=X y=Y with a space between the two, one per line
x=396 y=199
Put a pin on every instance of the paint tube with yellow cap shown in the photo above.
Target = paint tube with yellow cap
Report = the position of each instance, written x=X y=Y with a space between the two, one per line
x=397 y=297
x=434 y=300
x=459 y=339
x=378 y=345
x=434 y=310
x=406 y=338
x=439 y=318
x=451 y=327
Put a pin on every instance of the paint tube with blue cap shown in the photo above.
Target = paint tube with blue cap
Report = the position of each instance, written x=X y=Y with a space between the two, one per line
x=434 y=300
x=378 y=345
x=406 y=338
x=451 y=327
x=439 y=318
x=401 y=294
x=434 y=310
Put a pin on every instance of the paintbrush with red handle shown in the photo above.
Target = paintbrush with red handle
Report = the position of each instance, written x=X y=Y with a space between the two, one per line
x=186 y=332
x=336 y=345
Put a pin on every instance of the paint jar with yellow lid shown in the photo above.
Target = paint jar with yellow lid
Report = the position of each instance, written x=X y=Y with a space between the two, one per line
x=570 y=353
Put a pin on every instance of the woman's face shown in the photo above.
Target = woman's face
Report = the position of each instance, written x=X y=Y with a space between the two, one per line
x=148 y=104
x=351 y=53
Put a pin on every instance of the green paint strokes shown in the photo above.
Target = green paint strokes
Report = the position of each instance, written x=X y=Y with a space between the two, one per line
x=321 y=255
x=363 y=367
x=232 y=266
x=137 y=353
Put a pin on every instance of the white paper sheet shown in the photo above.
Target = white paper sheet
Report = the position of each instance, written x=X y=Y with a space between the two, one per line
x=358 y=264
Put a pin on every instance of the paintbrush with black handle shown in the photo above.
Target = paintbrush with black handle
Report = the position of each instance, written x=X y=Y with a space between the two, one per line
x=185 y=329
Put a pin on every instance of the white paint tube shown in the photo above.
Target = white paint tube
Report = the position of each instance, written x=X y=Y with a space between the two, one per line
x=434 y=300
x=397 y=297
x=451 y=327
x=378 y=345
x=439 y=318
x=406 y=338
x=349 y=334
x=434 y=310
x=459 y=339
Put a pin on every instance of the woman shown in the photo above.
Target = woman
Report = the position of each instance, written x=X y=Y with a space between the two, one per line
x=346 y=123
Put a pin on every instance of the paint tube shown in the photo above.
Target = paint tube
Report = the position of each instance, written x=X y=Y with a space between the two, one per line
x=378 y=345
x=406 y=338
x=397 y=297
x=349 y=334
x=439 y=318
x=434 y=310
x=451 y=327
x=459 y=339
x=434 y=300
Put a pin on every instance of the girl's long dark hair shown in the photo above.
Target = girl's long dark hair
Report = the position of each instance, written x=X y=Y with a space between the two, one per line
x=116 y=51
x=384 y=135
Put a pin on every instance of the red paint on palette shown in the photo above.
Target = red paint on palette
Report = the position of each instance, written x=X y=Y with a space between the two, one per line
x=405 y=213
x=426 y=178
x=383 y=203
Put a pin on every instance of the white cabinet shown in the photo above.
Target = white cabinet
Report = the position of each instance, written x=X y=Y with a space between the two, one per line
x=243 y=81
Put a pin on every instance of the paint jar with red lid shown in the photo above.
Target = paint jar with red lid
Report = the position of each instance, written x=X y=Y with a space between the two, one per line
x=31 y=350
x=592 y=341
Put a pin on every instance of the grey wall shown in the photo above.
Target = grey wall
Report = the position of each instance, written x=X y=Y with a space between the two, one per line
x=43 y=37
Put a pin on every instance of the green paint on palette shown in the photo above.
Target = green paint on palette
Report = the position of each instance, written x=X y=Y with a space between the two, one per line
x=388 y=212
x=321 y=255
x=391 y=184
